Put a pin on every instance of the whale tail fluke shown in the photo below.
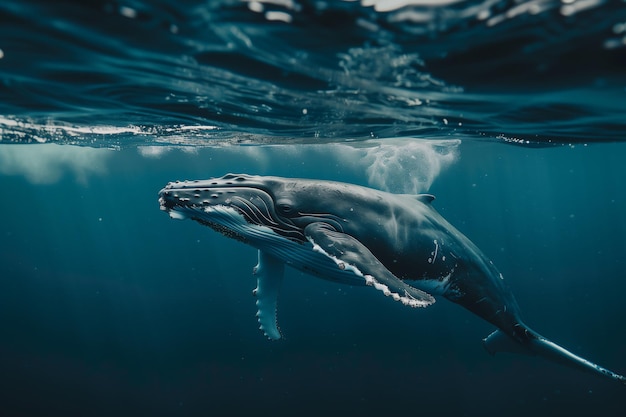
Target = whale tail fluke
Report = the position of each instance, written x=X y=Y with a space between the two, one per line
x=535 y=344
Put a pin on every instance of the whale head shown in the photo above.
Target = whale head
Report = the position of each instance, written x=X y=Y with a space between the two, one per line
x=248 y=208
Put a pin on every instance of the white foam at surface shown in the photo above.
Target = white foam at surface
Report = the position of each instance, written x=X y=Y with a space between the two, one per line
x=278 y=16
x=400 y=165
x=408 y=166
x=390 y=5
x=153 y=152
x=13 y=129
x=46 y=163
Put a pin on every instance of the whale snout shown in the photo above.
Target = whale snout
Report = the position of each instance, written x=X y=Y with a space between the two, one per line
x=166 y=200
x=171 y=198
x=238 y=191
x=185 y=196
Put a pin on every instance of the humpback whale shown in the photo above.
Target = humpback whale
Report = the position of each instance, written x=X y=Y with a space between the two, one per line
x=396 y=243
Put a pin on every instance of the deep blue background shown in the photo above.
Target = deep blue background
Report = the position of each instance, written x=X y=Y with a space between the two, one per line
x=108 y=307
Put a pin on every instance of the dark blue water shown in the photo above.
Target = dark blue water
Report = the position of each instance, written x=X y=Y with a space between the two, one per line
x=512 y=113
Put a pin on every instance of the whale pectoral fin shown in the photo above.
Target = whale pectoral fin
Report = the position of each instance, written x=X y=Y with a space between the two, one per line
x=269 y=275
x=351 y=255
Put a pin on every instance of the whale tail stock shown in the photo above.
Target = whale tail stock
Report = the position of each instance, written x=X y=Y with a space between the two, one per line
x=535 y=344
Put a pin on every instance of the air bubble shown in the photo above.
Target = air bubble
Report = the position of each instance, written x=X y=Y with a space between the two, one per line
x=128 y=12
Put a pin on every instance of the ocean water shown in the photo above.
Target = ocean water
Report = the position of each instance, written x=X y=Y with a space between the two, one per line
x=512 y=113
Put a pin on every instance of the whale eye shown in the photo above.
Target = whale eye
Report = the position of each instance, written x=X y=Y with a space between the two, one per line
x=284 y=207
